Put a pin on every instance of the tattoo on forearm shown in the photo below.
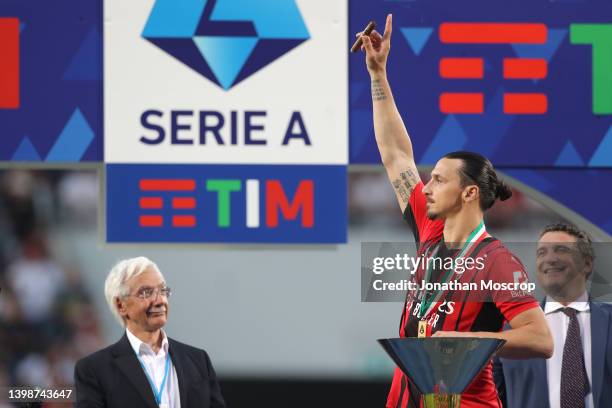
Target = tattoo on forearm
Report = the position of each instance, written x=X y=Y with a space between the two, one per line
x=405 y=184
x=378 y=92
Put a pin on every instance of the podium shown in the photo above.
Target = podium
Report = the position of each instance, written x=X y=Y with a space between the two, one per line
x=441 y=368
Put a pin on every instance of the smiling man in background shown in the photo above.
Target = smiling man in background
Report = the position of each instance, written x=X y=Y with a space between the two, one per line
x=145 y=368
x=579 y=374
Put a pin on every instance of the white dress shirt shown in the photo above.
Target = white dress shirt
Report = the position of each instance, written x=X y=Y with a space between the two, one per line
x=558 y=323
x=155 y=365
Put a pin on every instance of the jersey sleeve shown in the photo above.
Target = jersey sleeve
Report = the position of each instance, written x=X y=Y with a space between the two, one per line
x=506 y=269
x=415 y=215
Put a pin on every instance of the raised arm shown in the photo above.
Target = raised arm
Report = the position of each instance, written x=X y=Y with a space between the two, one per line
x=391 y=134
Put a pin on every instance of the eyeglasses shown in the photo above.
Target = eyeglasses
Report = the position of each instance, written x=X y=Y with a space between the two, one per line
x=148 y=293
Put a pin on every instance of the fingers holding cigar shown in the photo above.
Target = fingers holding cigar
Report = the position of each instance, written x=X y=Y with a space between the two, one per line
x=358 y=44
x=374 y=36
x=375 y=45
x=367 y=45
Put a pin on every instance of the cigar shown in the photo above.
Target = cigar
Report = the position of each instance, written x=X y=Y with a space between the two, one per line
x=368 y=30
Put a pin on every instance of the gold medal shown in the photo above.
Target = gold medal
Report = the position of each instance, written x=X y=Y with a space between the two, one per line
x=422 y=328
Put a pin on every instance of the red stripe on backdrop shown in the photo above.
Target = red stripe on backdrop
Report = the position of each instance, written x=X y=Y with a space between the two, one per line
x=183 y=203
x=493 y=33
x=9 y=63
x=167 y=185
x=183 y=221
x=525 y=103
x=151 y=202
x=525 y=68
x=461 y=103
x=469 y=68
x=151 y=221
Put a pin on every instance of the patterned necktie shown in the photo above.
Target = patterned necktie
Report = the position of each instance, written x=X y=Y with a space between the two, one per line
x=574 y=381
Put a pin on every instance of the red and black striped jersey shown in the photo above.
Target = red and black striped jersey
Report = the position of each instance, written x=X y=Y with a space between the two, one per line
x=459 y=310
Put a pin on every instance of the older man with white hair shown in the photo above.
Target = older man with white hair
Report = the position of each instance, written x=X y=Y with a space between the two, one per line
x=145 y=368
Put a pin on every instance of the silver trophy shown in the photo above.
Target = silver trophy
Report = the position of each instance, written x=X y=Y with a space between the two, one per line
x=441 y=368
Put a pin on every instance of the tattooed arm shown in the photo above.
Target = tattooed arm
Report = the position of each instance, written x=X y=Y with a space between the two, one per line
x=391 y=134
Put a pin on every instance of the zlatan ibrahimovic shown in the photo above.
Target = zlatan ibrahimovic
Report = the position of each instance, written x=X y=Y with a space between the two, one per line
x=446 y=215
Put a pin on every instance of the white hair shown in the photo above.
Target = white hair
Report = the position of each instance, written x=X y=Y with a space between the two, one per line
x=115 y=285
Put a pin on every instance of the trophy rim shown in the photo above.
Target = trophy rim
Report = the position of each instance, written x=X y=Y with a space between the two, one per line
x=500 y=343
x=503 y=341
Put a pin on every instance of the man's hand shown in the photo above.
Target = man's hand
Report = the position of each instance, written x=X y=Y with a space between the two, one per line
x=377 y=48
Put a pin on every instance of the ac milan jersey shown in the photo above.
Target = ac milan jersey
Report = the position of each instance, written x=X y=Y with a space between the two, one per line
x=458 y=310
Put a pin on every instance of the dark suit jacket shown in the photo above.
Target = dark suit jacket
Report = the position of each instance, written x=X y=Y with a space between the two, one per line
x=526 y=381
x=113 y=377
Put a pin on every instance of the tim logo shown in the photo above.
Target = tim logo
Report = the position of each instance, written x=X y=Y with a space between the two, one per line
x=598 y=36
x=180 y=195
x=225 y=203
x=9 y=63
x=226 y=41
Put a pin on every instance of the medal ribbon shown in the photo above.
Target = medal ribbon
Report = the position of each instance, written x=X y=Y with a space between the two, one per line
x=157 y=393
x=427 y=305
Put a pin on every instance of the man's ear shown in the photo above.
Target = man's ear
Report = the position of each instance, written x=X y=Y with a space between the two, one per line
x=120 y=304
x=470 y=193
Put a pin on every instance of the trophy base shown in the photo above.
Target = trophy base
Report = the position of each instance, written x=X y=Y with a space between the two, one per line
x=441 y=400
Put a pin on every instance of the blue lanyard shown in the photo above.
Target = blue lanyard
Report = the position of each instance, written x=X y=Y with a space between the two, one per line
x=157 y=393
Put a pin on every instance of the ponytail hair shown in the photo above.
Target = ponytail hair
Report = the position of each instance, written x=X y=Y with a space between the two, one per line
x=477 y=169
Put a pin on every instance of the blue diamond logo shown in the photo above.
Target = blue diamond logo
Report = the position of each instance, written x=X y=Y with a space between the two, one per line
x=226 y=41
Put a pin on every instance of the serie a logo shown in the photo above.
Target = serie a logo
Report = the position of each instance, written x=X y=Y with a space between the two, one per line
x=226 y=41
